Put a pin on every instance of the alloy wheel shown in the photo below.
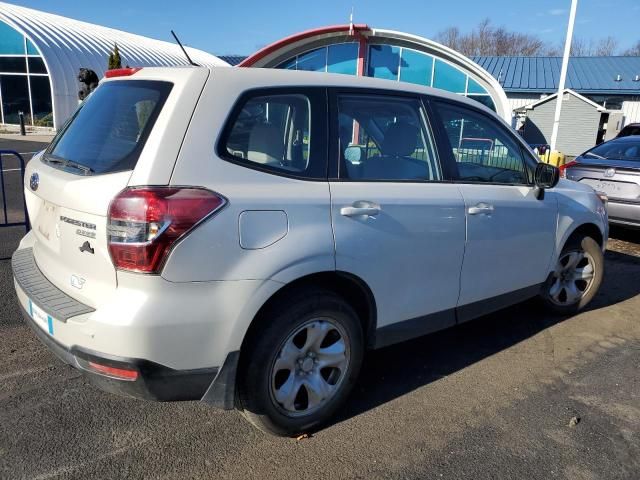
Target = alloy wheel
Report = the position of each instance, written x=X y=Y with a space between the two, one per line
x=310 y=366
x=572 y=278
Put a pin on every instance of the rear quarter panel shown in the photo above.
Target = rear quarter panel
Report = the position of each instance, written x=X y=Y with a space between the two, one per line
x=213 y=250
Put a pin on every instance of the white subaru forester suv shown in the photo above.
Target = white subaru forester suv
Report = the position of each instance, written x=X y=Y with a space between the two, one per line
x=242 y=236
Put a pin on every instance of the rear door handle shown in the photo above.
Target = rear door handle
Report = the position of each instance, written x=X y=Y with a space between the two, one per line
x=361 y=208
x=481 y=209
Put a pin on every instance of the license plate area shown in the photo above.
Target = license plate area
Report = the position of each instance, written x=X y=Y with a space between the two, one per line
x=614 y=189
x=41 y=318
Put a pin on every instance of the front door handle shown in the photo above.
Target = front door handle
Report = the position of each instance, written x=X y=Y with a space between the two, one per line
x=361 y=208
x=481 y=209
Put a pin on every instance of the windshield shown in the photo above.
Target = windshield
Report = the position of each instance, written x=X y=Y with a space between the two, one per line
x=107 y=133
x=625 y=149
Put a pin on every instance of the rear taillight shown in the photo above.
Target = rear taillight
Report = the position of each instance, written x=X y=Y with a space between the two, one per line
x=145 y=223
x=563 y=168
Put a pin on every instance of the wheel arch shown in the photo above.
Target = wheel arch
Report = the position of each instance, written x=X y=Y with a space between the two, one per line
x=585 y=230
x=351 y=288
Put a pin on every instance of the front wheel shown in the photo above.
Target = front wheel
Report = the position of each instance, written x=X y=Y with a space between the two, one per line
x=576 y=277
x=300 y=365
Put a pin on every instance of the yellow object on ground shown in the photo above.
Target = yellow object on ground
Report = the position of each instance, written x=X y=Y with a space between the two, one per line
x=554 y=158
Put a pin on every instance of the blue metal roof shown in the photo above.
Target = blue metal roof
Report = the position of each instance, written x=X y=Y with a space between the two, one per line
x=232 y=60
x=586 y=75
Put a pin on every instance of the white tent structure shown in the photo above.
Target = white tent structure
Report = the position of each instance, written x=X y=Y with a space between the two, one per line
x=37 y=48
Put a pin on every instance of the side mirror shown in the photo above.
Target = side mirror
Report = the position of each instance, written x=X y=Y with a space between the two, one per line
x=353 y=154
x=546 y=176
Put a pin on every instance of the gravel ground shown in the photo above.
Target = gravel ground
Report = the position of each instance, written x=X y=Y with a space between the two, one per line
x=517 y=394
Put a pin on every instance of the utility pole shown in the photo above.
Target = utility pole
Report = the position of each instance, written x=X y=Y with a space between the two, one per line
x=563 y=74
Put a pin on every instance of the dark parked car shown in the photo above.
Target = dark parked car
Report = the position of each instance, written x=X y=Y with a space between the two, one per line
x=612 y=168
x=631 y=129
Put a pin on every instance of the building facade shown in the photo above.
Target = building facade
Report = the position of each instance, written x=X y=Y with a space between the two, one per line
x=365 y=51
x=41 y=54
x=581 y=121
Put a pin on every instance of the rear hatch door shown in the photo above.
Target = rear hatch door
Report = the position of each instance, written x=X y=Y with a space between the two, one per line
x=128 y=130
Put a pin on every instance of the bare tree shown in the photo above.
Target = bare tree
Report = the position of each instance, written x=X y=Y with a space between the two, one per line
x=449 y=37
x=580 y=48
x=606 y=47
x=487 y=40
x=633 y=51
x=594 y=48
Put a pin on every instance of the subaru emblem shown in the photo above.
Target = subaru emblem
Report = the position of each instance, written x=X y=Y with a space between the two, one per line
x=609 y=172
x=34 y=181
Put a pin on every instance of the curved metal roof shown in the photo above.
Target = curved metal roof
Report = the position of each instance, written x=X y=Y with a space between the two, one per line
x=67 y=45
x=277 y=52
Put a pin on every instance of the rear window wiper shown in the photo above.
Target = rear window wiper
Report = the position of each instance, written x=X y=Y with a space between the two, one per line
x=68 y=164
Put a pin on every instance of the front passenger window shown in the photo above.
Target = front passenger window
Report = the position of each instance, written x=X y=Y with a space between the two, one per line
x=385 y=138
x=483 y=151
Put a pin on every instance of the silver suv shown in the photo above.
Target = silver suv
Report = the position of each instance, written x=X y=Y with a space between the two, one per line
x=243 y=236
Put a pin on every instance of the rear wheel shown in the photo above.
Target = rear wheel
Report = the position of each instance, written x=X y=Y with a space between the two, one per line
x=576 y=278
x=301 y=365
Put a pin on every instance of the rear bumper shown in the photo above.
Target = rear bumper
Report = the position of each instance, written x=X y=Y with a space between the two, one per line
x=154 y=382
x=624 y=213
x=142 y=342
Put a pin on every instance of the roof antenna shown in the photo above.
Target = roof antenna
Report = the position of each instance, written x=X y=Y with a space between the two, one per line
x=191 y=62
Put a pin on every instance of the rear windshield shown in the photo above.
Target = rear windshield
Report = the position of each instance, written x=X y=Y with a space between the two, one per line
x=624 y=149
x=109 y=130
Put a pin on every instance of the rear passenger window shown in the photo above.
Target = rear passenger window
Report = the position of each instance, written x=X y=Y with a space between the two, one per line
x=484 y=152
x=272 y=131
x=385 y=138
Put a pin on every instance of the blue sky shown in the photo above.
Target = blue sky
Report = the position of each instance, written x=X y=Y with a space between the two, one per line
x=243 y=26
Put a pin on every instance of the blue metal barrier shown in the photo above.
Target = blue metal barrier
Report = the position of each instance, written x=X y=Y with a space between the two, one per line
x=5 y=217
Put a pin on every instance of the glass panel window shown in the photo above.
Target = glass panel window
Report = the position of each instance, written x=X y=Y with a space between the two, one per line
x=485 y=100
x=343 y=58
x=384 y=61
x=475 y=87
x=484 y=152
x=289 y=64
x=11 y=41
x=36 y=65
x=385 y=138
x=31 y=48
x=448 y=77
x=15 y=98
x=273 y=131
x=41 y=100
x=314 y=61
x=13 y=65
x=108 y=132
x=415 y=67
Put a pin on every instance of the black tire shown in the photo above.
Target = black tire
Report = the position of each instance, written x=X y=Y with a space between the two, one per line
x=588 y=247
x=255 y=388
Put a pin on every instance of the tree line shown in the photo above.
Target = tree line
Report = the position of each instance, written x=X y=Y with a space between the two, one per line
x=488 y=40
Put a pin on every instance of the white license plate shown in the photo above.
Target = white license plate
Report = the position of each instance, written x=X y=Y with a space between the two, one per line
x=614 y=189
x=42 y=318
x=607 y=187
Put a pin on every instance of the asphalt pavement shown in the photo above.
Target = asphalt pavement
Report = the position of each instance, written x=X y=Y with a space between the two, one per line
x=516 y=394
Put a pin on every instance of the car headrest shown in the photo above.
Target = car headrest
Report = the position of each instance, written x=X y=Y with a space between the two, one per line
x=400 y=140
x=265 y=144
